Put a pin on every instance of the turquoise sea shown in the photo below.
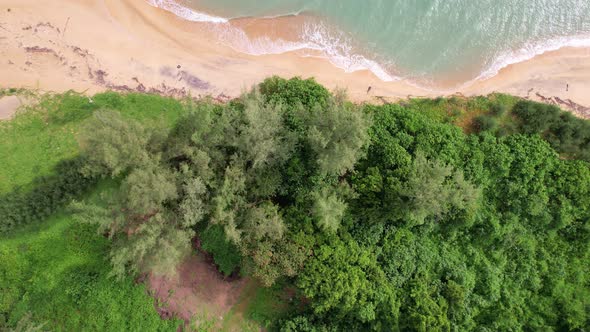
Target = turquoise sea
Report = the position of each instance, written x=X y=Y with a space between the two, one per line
x=430 y=42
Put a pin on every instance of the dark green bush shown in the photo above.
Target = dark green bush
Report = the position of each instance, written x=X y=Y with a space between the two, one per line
x=535 y=118
x=225 y=253
x=498 y=109
x=567 y=134
x=295 y=91
x=485 y=123
x=48 y=195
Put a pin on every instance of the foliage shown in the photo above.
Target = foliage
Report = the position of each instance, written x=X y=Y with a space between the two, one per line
x=44 y=134
x=58 y=277
x=115 y=145
x=54 y=268
x=567 y=134
x=337 y=136
x=433 y=189
x=487 y=123
x=344 y=280
x=295 y=91
x=446 y=214
x=225 y=254
x=25 y=324
x=329 y=210
x=48 y=195
x=146 y=236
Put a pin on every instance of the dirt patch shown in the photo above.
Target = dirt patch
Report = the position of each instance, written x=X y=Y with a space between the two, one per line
x=8 y=106
x=198 y=292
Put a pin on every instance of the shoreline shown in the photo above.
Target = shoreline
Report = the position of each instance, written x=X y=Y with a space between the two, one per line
x=128 y=45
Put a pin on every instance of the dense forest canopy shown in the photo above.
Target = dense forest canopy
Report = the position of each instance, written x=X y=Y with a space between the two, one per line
x=385 y=218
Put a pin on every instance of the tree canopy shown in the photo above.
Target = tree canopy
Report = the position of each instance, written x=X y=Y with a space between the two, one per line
x=382 y=218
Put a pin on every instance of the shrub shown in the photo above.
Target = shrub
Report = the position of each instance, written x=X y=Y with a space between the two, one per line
x=535 y=117
x=225 y=253
x=498 y=109
x=48 y=195
x=294 y=91
x=567 y=134
x=485 y=123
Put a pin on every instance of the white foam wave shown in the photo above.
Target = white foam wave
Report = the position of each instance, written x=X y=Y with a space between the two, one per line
x=315 y=37
x=186 y=13
x=530 y=51
x=238 y=40
x=338 y=48
x=334 y=45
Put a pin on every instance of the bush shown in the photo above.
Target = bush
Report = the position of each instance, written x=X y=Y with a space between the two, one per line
x=48 y=195
x=535 y=118
x=498 y=109
x=485 y=123
x=225 y=253
x=294 y=91
x=567 y=134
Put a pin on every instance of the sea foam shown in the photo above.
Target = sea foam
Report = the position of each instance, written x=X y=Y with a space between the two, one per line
x=186 y=13
x=334 y=46
x=529 y=51
x=317 y=39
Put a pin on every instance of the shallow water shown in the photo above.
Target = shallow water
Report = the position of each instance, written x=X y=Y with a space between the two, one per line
x=431 y=42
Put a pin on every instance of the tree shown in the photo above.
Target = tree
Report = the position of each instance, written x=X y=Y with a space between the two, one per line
x=193 y=207
x=328 y=209
x=225 y=254
x=153 y=247
x=262 y=140
x=433 y=189
x=291 y=93
x=113 y=145
x=228 y=203
x=343 y=282
x=337 y=136
x=146 y=189
x=264 y=222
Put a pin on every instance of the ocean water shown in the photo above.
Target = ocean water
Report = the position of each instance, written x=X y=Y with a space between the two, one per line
x=434 y=43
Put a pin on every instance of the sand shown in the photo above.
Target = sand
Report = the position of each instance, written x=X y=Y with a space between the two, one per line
x=8 y=106
x=127 y=45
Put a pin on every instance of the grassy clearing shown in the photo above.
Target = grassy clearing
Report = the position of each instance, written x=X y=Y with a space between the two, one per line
x=36 y=140
x=257 y=306
x=59 y=274
x=57 y=270
x=465 y=112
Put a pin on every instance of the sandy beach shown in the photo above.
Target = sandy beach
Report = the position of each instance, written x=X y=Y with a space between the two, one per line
x=128 y=45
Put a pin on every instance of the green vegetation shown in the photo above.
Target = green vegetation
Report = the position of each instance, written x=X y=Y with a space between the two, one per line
x=53 y=273
x=429 y=215
x=225 y=253
x=58 y=276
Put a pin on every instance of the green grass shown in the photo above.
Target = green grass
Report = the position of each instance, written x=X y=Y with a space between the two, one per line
x=463 y=111
x=59 y=274
x=58 y=270
x=45 y=134
x=266 y=305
